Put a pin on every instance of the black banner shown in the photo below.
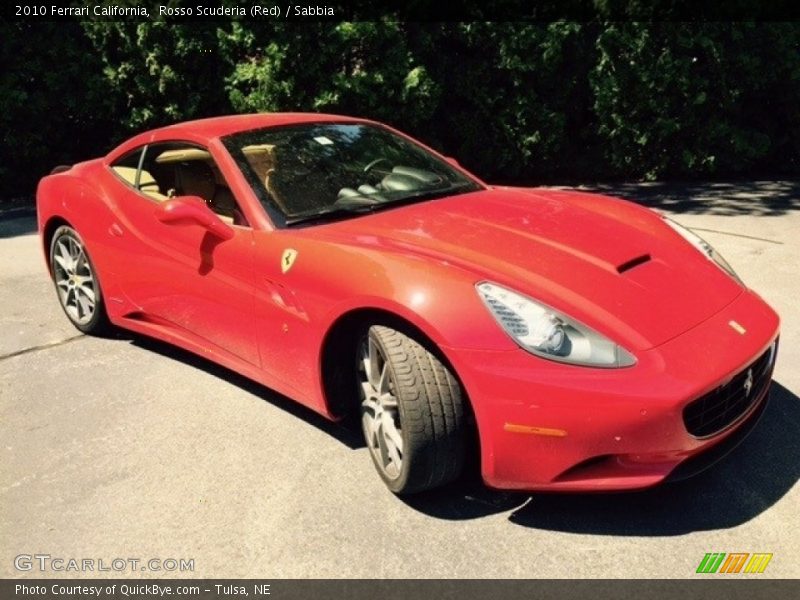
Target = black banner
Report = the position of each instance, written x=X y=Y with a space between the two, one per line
x=404 y=10
x=706 y=587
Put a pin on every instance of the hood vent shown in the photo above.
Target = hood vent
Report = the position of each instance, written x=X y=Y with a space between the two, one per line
x=634 y=262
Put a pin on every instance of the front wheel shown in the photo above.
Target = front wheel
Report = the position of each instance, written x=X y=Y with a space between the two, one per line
x=412 y=412
x=76 y=282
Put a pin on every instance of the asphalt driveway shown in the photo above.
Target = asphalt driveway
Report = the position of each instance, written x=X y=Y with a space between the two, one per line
x=128 y=448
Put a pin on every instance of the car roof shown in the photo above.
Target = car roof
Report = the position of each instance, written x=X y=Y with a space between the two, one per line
x=221 y=126
x=205 y=130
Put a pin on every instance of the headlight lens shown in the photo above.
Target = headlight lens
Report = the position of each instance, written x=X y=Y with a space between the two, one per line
x=548 y=333
x=703 y=246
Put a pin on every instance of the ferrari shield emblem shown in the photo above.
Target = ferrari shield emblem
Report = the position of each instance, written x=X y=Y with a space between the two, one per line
x=288 y=258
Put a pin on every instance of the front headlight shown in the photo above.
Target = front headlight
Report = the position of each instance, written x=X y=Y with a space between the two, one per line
x=704 y=247
x=548 y=333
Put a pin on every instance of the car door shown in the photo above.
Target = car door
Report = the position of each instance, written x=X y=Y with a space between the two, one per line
x=179 y=275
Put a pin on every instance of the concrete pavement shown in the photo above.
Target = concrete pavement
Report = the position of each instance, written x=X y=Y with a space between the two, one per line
x=128 y=448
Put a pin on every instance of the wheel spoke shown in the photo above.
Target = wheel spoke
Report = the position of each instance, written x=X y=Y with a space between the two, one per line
x=74 y=250
x=391 y=432
x=365 y=365
x=87 y=306
x=62 y=257
x=383 y=382
x=393 y=455
x=388 y=401
x=364 y=370
x=87 y=289
x=71 y=305
x=371 y=405
x=373 y=372
x=80 y=262
x=79 y=306
x=370 y=424
x=383 y=446
x=71 y=254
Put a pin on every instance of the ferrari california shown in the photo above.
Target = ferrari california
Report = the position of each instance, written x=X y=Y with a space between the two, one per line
x=571 y=341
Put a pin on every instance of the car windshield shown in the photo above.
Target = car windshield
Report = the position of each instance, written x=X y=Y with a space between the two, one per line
x=322 y=171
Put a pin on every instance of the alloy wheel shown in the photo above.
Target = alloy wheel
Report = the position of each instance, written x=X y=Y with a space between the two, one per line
x=380 y=415
x=77 y=289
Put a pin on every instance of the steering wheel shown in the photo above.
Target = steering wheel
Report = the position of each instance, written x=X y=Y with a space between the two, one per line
x=375 y=163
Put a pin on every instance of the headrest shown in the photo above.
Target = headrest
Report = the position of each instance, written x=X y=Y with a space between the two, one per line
x=197 y=179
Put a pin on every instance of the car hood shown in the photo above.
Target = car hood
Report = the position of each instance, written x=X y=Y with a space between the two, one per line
x=609 y=263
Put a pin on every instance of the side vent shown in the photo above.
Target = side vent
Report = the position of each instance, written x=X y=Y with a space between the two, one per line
x=634 y=262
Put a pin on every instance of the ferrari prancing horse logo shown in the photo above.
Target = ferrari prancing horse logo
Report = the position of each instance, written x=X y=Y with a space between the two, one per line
x=288 y=258
x=748 y=383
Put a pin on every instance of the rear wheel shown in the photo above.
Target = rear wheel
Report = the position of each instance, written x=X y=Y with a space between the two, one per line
x=412 y=412
x=76 y=282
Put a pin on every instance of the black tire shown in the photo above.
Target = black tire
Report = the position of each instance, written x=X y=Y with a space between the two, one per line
x=97 y=323
x=430 y=413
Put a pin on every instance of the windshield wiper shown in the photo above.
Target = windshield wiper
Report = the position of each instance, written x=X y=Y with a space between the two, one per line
x=333 y=213
x=344 y=211
x=424 y=195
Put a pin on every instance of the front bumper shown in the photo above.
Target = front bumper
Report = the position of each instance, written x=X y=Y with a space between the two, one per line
x=548 y=426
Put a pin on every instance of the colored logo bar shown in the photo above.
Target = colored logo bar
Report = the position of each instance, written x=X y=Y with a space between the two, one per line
x=735 y=562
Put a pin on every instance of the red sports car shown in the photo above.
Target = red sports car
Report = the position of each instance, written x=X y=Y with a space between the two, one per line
x=580 y=341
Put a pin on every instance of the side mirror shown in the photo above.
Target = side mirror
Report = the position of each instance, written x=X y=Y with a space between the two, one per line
x=192 y=210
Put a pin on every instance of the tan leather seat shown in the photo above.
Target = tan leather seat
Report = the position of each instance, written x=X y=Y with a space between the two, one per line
x=196 y=178
x=263 y=160
x=226 y=207
x=147 y=183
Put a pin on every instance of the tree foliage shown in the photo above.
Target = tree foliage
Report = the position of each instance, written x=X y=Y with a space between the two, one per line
x=514 y=101
x=52 y=107
x=683 y=99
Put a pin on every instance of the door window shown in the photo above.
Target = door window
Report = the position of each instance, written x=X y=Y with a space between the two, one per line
x=172 y=169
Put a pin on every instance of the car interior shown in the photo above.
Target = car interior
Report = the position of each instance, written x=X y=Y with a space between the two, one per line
x=171 y=170
x=262 y=158
x=307 y=181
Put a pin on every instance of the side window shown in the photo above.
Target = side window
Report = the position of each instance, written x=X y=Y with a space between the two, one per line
x=126 y=167
x=180 y=169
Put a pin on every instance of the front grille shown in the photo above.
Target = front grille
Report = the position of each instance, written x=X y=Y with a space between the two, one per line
x=722 y=407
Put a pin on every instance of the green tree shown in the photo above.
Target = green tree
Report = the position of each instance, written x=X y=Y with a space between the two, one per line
x=515 y=101
x=161 y=71
x=52 y=101
x=676 y=99
x=363 y=68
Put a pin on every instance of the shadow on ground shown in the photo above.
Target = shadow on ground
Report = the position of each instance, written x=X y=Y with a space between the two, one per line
x=753 y=477
x=17 y=223
x=758 y=198
x=345 y=432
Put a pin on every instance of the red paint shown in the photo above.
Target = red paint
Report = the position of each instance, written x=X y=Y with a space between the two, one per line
x=219 y=291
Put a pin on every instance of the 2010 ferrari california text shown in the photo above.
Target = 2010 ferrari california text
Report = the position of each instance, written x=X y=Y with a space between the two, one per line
x=581 y=342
